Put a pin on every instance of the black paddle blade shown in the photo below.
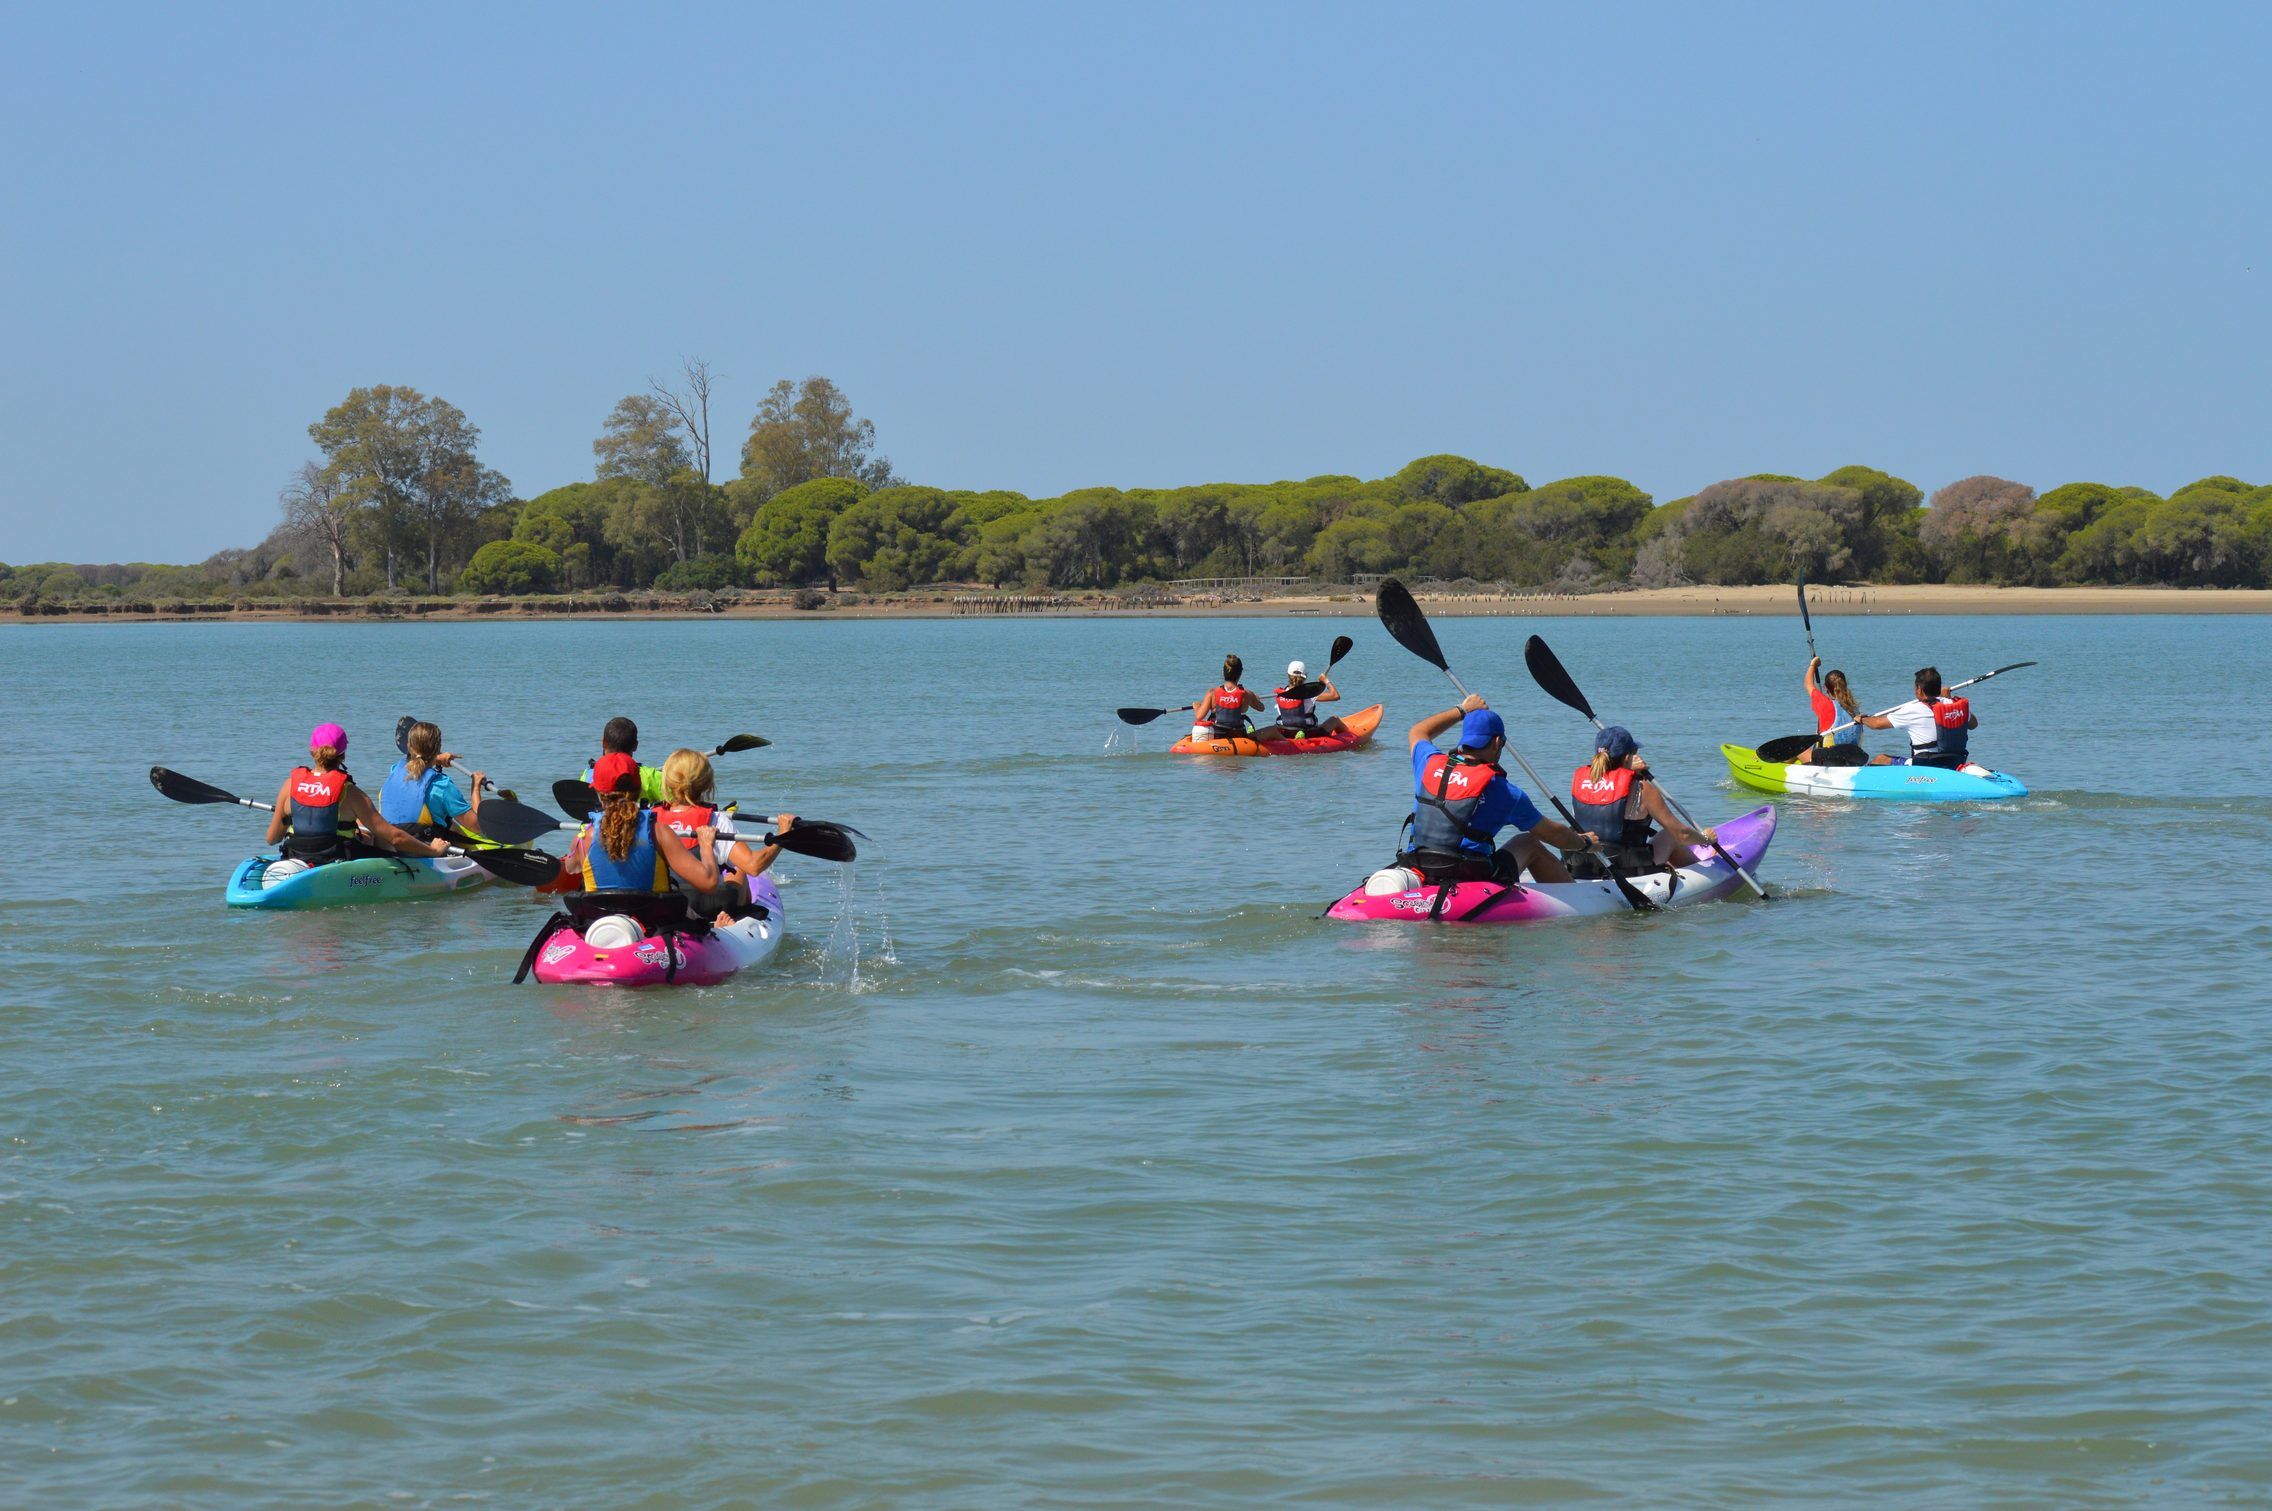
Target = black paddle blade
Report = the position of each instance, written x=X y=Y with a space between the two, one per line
x=818 y=839
x=184 y=789
x=1805 y=618
x=1342 y=646
x=402 y=732
x=1406 y=625
x=574 y=798
x=1546 y=670
x=523 y=868
x=1305 y=690
x=1784 y=750
x=1144 y=715
x=742 y=742
x=511 y=823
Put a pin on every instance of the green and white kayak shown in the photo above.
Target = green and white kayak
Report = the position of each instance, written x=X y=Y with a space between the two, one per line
x=267 y=881
x=1915 y=784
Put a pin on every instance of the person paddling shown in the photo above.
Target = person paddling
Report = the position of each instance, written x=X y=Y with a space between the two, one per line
x=418 y=794
x=1221 y=711
x=319 y=810
x=621 y=737
x=689 y=804
x=1939 y=729
x=1461 y=800
x=1615 y=797
x=621 y=849
x=1297 y=716
x=1835 y=718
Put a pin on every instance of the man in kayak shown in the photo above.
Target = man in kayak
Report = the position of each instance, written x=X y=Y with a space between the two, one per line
x=1461 y=800
x=1220 y=712
x=319 y=809
x=1297 y=716
x=1939 y=729
x=621 y=737
x=1615 y=795
x=1836 y=719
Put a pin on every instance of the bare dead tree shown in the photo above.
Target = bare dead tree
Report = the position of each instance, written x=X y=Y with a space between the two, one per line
x=319 y=508
x=692 y=407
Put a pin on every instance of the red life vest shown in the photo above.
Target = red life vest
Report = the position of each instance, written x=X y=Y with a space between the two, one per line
x=317 y=825
x=1952 y=730
x=1226 y=711
x=1295 y=713
x=1443 y=813
x=683 y=819
x=1604 y=803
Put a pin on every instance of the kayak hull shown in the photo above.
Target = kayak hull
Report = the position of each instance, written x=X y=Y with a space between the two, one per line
x=1709 y=880
x=568 y=959
x=347 y=883
x=1360 y=725
x=1910 y=784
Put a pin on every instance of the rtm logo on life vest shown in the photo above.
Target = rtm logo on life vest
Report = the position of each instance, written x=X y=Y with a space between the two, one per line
x=1953 y=713
x=1466 y=779
x=1601 y=791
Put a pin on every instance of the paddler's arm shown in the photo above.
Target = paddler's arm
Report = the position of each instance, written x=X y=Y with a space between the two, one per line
x=1331 y=694
x=694 y=861
x=753 y=862
x=365 y=812
x=1562 y=836
x=1669 y=821
x=1425 y=732
x=277 y=820
x=1874 y=721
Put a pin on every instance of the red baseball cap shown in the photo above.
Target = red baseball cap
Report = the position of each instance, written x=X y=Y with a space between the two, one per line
x=615 y=772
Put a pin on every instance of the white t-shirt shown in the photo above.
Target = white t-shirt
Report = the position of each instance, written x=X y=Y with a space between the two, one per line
x=1915 y=719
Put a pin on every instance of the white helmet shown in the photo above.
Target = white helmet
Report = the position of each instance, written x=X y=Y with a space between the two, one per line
x=1296 y=669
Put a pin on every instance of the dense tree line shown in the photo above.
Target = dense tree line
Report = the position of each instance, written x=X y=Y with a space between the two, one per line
x=397 y=496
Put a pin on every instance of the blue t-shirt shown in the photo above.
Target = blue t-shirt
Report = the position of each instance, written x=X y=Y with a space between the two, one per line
x=1503 y=803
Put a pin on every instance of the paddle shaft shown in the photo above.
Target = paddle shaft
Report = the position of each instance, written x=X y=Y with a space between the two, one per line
x=1951 y=688
x=1806 y=618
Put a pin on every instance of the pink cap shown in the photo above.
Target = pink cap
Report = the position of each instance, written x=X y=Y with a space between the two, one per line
x=327 y=734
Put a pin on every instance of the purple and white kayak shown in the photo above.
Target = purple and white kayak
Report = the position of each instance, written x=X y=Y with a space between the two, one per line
x=1386 y=896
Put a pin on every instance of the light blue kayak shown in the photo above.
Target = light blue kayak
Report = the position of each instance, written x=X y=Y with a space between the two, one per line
x=1916 y=784
x=265 y=881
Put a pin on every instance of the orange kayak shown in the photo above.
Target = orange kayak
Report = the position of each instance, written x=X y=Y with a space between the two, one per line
x=1360 y=726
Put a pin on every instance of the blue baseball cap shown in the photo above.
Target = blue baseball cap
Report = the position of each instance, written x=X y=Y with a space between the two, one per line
x=1616 y=741
x=1480 y=728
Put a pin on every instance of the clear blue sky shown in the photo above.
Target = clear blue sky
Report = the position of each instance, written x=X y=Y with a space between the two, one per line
x=1144 y=244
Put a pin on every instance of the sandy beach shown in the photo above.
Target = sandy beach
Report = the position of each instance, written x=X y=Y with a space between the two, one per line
x=1767 y=598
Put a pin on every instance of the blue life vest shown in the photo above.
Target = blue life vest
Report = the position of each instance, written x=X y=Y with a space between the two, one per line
x=402 y=801
x=643 y=870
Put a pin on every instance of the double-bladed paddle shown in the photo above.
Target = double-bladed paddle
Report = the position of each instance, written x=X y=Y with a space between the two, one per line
x=817 y=838
x=1783 y=748
x=1342 y=645
x=528 y=868
x=1408 y=627
x=1547 y=671
x=1147 y=715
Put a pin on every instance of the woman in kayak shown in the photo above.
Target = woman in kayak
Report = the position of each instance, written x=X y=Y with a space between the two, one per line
x=1297 y=716
x=1833 y=702
x=418 y=794
x=689 y=804
x=1221 y=711
x=1939 y=729
x=620 y=849
x=319 y=808
x=1616 y=799
x=1461 y=800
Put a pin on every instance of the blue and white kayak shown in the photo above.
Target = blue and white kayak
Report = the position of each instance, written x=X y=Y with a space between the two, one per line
x=267 y=881
x=1916 y=784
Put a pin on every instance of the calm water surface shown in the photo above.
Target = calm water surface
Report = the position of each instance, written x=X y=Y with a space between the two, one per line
x=1064 y=1158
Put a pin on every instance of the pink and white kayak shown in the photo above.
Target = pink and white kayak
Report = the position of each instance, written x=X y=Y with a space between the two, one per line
x=618 y=951
x=1386 y=895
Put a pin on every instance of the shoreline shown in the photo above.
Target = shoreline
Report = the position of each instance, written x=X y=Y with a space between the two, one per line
x=1762 y=599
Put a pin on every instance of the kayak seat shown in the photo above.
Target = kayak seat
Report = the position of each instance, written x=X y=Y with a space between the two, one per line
x=656 y=912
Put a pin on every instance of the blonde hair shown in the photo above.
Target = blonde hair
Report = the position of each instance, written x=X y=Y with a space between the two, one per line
x=687 y=778
x=1601 y=764
x=420 y=743
x=326 y=757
